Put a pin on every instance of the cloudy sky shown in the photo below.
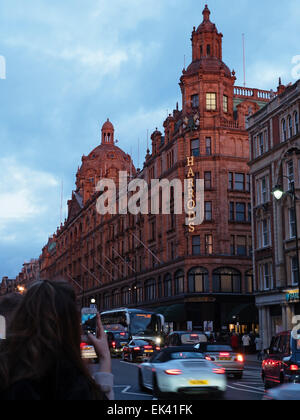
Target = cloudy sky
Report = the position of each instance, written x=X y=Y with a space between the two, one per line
x=72 y=64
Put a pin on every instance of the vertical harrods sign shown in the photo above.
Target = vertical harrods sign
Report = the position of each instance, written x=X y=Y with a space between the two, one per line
x=191 y=196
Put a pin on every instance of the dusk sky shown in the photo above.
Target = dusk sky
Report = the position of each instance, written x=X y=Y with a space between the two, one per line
x=72 y=64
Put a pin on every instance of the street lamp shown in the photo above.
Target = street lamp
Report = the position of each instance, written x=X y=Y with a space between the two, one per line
x=278 y=193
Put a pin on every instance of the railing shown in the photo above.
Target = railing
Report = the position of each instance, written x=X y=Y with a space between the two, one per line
x=258 y=94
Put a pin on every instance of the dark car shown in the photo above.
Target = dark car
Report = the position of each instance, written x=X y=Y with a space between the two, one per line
x=282 y=364
x=116 y=341
x=139 y=350
x=223 y=355
x=185 y=338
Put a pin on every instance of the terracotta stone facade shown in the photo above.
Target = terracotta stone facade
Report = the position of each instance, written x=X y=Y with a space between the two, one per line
x=200 y=273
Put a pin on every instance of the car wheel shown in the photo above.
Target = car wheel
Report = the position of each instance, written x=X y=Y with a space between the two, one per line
x=238 y=376
x=141 y=382
x=123 y=357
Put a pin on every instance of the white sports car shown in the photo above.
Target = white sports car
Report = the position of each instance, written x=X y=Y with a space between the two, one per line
x=182 y=371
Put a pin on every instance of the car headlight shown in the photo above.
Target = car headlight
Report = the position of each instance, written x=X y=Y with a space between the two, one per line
x=158 y=340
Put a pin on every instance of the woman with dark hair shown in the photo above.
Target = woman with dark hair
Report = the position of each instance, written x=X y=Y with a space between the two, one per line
x=41 y=358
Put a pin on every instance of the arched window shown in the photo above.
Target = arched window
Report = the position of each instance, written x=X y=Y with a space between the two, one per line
x=150 y=290
x=284 y=132
x=168 y=285
x=179 y=282
x=296 y=122
x=290 y=124
x=198 y=280
x=249 y=281
x=227 y=280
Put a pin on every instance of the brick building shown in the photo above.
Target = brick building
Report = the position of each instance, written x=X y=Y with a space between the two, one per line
x=29 y=274
x=157 y=261
x=275 y=160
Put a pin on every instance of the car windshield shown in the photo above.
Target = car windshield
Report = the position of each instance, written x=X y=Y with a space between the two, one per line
x=190 y=338
x=215 y=348
x=186 y=355
x=143 y=324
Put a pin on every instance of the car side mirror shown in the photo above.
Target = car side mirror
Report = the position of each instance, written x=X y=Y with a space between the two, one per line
x=286 y=359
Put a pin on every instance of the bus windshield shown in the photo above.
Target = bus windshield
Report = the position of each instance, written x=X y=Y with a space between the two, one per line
x=144 y=324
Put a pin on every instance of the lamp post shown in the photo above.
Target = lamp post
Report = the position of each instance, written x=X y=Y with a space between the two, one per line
x=278 y=193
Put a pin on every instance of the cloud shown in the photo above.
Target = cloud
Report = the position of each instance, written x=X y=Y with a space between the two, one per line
x=23 y=196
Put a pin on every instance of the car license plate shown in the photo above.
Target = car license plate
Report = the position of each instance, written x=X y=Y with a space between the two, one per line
x=225 y=358
x=194 y=382
x=148 y=351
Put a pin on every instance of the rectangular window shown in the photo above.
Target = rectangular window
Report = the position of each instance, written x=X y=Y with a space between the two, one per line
x=248 y=183
x=240 y=212
x=241 y=246
x=208 y=244
x=207 y=180
x=208 y=210
x=230 y=181
x=292 y=223
x=266 y=232
x=195 y=147
x=208 y=146
x=195 y=101
x=263 y=190
x=196 y=250
x=261 y=144
x=211 y=101
x=231 y=212
x=239 y=182
x=267 y=273
x=225 y=103
x=249 y=213
x=295 y=273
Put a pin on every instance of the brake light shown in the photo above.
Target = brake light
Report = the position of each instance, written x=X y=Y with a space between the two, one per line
x=294 y=367
x=137 y=348
x=122 y=334
x=83 y=345
x=219 y=371
x=224 y=354
x=173 y=372
x=114 y=344
x=240 y=358
x=148 y=347
x=194 y=335
x=158 y=348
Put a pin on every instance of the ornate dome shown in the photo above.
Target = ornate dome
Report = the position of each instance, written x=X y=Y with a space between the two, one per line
x=206 y=25
x=105 y=161
x=208 y=64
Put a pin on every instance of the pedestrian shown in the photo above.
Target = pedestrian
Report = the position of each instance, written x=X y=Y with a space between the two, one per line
x=259 y=348
x=246 y=340
x=41 y=357
x=8 y=304
x=235 y=342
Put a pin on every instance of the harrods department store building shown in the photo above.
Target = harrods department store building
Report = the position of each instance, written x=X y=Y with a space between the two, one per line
x=157 y=261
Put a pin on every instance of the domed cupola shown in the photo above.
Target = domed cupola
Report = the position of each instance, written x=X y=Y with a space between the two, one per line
x=105 y=161
x=108 y=133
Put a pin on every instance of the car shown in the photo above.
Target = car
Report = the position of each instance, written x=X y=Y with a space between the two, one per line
x=116 y=341
x=183 y=338
x=286 y=392
x=181 y=371
x=223 y=355
x=139 y=350
x=282 y=363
